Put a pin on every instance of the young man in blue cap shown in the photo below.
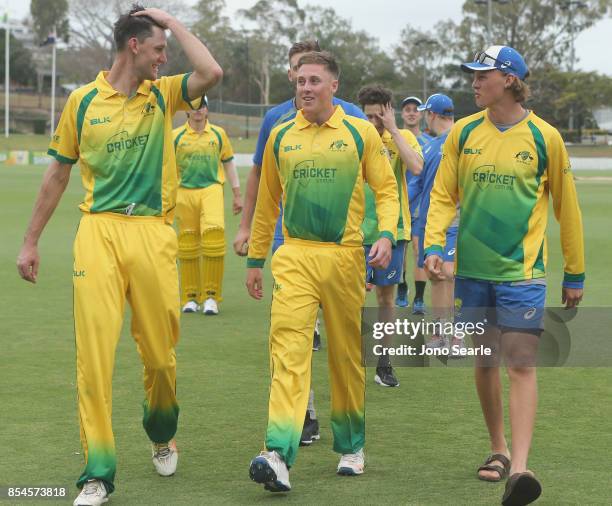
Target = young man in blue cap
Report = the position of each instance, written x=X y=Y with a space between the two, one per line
x=439 y=115
x=500 y=165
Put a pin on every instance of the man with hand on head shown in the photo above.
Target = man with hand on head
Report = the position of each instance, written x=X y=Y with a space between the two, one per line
x=405 y=156
x=125 y=247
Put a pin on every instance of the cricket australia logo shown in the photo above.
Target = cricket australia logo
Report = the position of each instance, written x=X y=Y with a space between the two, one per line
x=524 y=157
x=481 y=176
x=149 y=108
x=338 y=145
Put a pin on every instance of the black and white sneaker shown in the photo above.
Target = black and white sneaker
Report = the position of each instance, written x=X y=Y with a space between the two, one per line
x=385 y=377
x=310 y=432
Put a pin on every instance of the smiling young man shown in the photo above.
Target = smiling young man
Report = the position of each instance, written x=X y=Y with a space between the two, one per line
x=500 y=165
x=318 y=163
x=204 y=157
x=119 y=129
x=405 y=156
x=279 y=114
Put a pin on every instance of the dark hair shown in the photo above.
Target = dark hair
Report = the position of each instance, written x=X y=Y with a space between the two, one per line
x=304 y=46
x=375 y=94
x=128 y=26
x=321 y=58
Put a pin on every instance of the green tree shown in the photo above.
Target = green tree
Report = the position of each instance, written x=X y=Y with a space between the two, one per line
x=50 y=14
x=92 y=43
x=274 y=27
x=359 y=56
x=555 y=92
x=541 y=30
x=20 y=59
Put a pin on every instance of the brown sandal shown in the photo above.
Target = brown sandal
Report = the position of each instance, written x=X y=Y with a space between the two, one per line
x=521 y=489
x=501 y=471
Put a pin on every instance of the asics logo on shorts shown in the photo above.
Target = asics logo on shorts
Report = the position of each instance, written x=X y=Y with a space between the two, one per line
x=530 y=314
x=391 y=274
x=451 y=252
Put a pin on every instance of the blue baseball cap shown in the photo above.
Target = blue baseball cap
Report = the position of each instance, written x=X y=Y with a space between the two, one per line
x=504 y=58
x=440 y=104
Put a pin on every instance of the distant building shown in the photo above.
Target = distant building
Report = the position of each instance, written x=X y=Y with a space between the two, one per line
x=603 y=116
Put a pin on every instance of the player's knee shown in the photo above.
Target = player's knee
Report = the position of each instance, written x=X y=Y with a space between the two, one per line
x=188 y=244
x=213 y=242
x=384 y=296
x=523 y=368
x=161 y=363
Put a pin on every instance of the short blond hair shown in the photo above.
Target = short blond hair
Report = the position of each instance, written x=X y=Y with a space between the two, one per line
x=324 y=58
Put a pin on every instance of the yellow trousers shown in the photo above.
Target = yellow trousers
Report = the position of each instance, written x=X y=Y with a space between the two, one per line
x=119 y=258
x=306 y=275
x=200 y=227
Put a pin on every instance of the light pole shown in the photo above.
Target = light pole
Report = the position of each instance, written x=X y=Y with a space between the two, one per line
x=570 y=6
x=489 y=4
x=425 y=42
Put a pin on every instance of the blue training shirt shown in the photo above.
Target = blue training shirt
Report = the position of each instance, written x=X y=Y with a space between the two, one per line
x=432 y=154
x=279 y=114
x=413 y=182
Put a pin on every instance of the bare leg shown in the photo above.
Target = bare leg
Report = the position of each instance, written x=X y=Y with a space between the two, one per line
x=520 y=350
x=488 y=386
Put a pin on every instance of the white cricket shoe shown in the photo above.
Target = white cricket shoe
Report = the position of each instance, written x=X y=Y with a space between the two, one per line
x=437 y=342
x=93 y=493
x=270 y=469
x=210 y=306
x=165 y=458
x=351 y=464
x=190 y=307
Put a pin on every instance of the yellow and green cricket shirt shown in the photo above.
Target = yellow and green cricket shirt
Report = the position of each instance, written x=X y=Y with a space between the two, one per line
x=123 y=145
x=319 y=170
x=370 y=223
x=200 y=155
x=502 y=181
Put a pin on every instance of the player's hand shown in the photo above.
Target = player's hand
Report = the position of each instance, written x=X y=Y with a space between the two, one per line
x=27 y=263
x=380 y=253
x=388 y=117
x=433 y=267
x=571 y=297
x=241 y=242
x=254 y=283
x=237 y=204
x=162 y=18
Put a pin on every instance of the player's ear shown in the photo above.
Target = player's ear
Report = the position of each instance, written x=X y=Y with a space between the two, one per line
x=132 y=45
x=335 y=83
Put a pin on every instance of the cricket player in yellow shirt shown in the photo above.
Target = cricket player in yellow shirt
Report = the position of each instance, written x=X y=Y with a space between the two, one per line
x=500 y=165
x=405 y=156
x=317 y=163
x=203 y=155
x=119 y=129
